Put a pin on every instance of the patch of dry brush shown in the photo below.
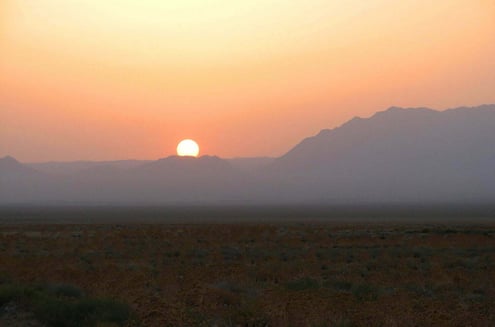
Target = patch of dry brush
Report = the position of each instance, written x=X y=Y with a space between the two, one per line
x=276 y=275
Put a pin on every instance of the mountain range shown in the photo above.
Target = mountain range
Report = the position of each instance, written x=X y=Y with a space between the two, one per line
x=400 y=155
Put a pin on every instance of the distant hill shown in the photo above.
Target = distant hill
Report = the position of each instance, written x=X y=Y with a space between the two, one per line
x=251 y=164
x=413 y=155
x=187 y=179
x=11 y=168
x=74 y=167
x=171 y=180
x=19 y=183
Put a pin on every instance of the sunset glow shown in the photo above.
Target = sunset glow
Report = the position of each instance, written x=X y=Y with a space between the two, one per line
x=125 y=79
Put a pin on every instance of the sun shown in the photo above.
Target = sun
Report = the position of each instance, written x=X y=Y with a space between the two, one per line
x=187 y=148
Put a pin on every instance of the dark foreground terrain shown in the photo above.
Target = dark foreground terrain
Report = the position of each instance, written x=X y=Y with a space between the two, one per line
x=316 y=273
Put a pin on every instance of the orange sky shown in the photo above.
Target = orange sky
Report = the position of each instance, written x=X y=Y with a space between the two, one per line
x=118 y=79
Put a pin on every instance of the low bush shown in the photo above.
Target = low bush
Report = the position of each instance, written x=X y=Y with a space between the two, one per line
x=302 y=284
x=339 y=285
x=64 y=305
x=10 y=292
x=365 y=292
x=66 y=290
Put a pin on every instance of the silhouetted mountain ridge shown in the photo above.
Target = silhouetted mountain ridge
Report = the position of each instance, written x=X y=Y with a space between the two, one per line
x=399 y=155
x=187 y=163
x=9 y=167
x=412 y=125
x=76 y=167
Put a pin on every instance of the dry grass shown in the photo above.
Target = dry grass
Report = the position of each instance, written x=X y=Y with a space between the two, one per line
x=268 y=274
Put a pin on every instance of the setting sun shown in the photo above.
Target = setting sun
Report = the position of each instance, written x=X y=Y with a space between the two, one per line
x=187 y=148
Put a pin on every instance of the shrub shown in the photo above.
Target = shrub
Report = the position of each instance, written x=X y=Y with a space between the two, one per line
x=66 y=290
x=365 y=292
x=10 y=292
x=302 y=284
x=343 y=323
x=230 y=253
x=339 y=285
x=63 y=305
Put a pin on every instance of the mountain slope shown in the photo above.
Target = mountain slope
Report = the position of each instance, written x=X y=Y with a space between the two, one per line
x=75 y=167
x=19 y=183
x=11 y=168
x=169 y=180
x=187 y=179
x=397 y=155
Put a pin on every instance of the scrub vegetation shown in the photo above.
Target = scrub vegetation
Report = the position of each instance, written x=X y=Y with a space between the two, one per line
x=293 y=274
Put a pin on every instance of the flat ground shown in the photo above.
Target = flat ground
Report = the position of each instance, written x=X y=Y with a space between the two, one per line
x=268 y=274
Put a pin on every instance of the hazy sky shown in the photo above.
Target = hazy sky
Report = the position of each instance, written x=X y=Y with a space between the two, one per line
x=117 y=79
